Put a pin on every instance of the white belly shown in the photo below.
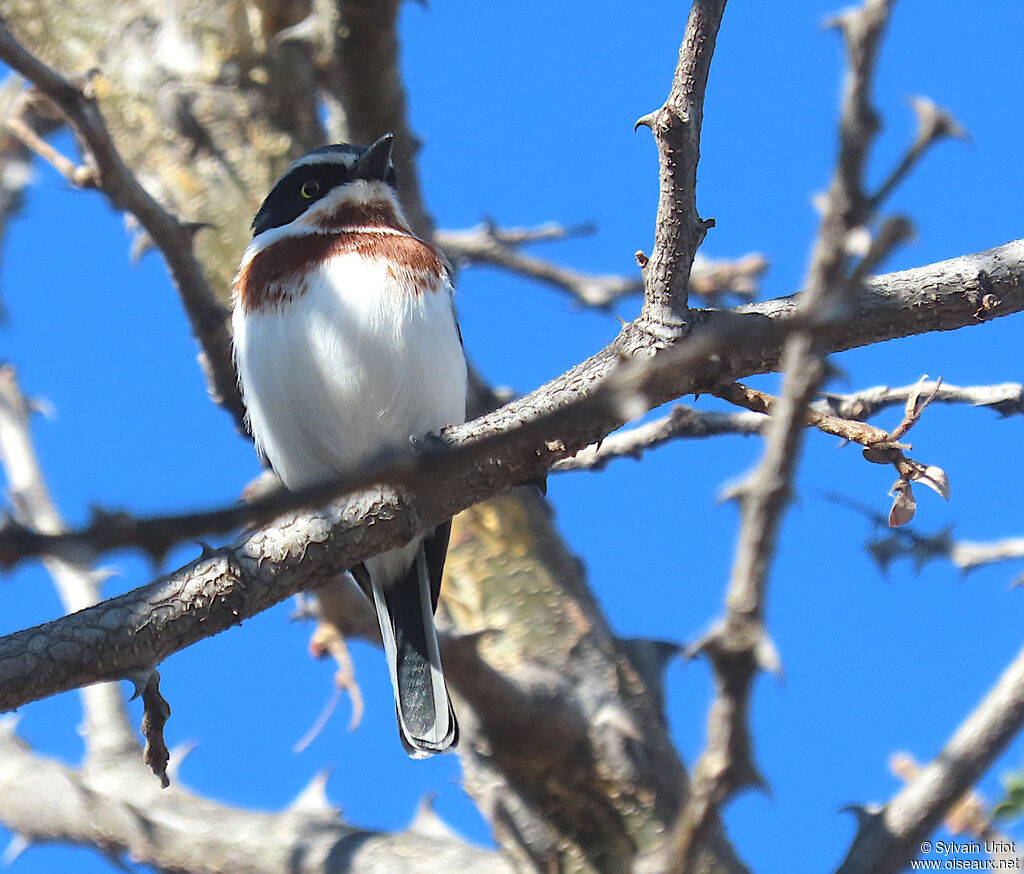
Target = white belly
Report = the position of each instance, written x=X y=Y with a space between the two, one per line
x=351 y=369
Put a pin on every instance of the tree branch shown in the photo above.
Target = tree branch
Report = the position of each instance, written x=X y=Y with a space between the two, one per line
x=131 y=634
x=838 y=414
x=681 y=422
x=738 y=645
x=364 y=76
x=174 y=238
x=679 y=230
x=888 y=839
x=880 y=446
x=122 y=810
x=500 y=247
x=966 y=555
x=961 y=292
x=107 y=732
x=1007 y=398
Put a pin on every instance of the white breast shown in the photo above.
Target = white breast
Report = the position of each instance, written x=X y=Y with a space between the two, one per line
x=354 y=367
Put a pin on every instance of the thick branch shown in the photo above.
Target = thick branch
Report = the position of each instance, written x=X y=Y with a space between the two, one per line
x=129 y=635
x=961 y=292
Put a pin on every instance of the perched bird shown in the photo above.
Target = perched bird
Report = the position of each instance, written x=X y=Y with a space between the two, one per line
x=347 y=347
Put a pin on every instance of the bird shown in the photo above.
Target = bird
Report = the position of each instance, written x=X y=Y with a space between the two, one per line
x=347 y=348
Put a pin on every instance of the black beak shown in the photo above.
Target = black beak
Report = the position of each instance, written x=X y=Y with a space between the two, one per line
x=374 y=162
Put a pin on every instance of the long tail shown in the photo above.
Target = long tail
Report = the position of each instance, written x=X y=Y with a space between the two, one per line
x=405 y=611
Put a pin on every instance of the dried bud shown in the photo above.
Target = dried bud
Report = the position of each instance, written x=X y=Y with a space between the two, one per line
x=935 y=478
x=903 y=505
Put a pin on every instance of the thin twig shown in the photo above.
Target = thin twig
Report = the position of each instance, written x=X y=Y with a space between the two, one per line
x=501 y=247
x=681 y=422
x=173 y=237
x=1006 y=398
x=834 y=414
x=933 y=124
x=492 y=246
x=880 y=447
x=848 y=429
x=714 y=278
x=78 y=175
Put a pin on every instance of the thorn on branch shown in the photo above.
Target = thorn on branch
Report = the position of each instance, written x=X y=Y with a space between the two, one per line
x=895 y=231
x=427 y=821
x=313 y=797
x=935 y=123
x=646 y=121
x=918 y=400
x=19 y=843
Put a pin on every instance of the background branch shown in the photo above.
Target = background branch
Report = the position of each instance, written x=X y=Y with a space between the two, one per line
x=106 y=730
x=501 y=247
x=738 y=645
x=110 y=174
x=888 y=839
x=123 y=810
x=1007 y=398
x=364 y=76
x=681 y=422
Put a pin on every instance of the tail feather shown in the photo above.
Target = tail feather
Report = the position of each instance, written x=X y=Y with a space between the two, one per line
x=405 y=611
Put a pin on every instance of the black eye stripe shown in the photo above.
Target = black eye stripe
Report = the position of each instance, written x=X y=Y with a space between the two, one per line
x=285 y=203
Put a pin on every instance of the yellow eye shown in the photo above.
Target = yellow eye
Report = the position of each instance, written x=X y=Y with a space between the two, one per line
x=310 y=189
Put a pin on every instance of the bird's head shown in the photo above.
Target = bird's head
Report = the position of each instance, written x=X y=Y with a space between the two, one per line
x=334 y=188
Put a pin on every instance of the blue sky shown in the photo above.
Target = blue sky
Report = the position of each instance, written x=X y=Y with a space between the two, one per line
x=536 y=125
